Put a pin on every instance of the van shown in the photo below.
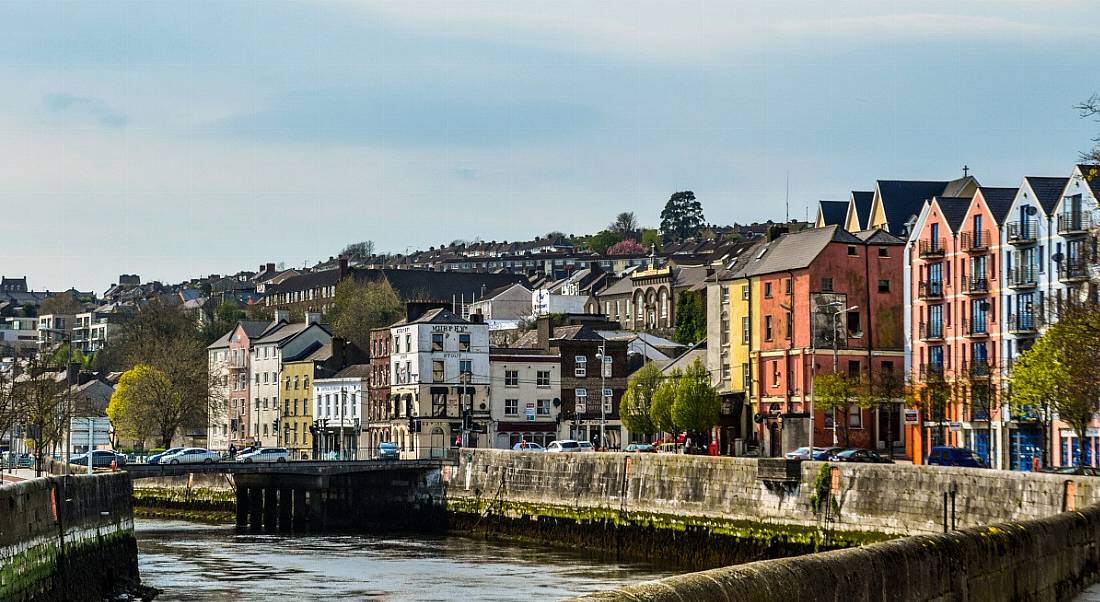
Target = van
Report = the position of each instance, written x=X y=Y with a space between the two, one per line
x=955 y=456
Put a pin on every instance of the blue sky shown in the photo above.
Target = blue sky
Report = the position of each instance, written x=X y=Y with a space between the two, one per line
x=176 y=139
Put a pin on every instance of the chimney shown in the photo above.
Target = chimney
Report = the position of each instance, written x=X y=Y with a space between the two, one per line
x=776 y=231
x=261 y=270
x=477 y=318
x=271 y=267
x=313 y=317
x=543 y=328
x=282 y=315
x=343 y=266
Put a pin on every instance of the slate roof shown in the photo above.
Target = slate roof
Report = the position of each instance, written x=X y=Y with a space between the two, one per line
x=354 y=371
x=902 y=199
x=999 y=201
x=795 y=251
x=834 y=213
x=878 y=236
x=439 y=315
x=285 y=332
x=863 y=200
x=954 y=210
x=1048 y=191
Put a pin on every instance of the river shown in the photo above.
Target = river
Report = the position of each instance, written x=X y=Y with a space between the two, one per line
x=192 y=561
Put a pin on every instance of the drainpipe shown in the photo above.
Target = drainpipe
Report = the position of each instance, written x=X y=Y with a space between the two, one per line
x=868 y=333
x=790 y=343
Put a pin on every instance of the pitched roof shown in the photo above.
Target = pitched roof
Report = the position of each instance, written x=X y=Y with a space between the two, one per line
x=902 y=199
x=863 y=200
x=439 y=315
x=999 y=201
x=954 y=210
x=1048 y=191
x=354 y=371
x=796 y=250
x=285 y=332
x=833 y=213
x=878 y=236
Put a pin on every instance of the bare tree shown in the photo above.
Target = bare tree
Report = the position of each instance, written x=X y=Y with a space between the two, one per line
x=359 y=251
x=625 y=225
x=1090 y=108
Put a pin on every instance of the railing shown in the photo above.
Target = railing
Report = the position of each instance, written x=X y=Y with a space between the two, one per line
x=977 y=285
x=1073 y=270
x=978 y=369
x=1022 y=323
x=1023 y=277
x=975 y=328
x=931 y=332
x=1022 y=232
x=974 y=242
x=1075 y=223
x=930 y=373
x=932 y=248
x=930 y=289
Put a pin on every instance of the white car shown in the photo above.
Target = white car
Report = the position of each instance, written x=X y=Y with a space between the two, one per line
x=586 y=446
x=564 y=446
x=265 y=454
x=191 y=455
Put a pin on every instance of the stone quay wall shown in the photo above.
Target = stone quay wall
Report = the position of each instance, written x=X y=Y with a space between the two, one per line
x=886 y=499
x=67 y=538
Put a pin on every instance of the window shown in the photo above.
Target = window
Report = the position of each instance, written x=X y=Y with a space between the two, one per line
x=607 y=366
x=790 y=324
x=883 y=286
x=581 y=367
x=296 y=382
x=787 y=286
x=542 y=379
x=852 y=250
x=854 y=329
x=511 y=378
x=437 y=371
x=542 y=407
x=465 y=367
x=408 y=343
x=287 y=387
x=511 y=407
x=775 y=374
x=855 y=417
x=608 y=399
x=830 y=419
x=767 y=328
x=725 y=292
x=397 y=344
x=582 y=400
x=437 y=342
x=745 y=292
x=265 y=377
x=826 y=284
x=853 y=370
x=745 y=330
x=257 y=378
x=463 y=342
x=767 y=290
x=746 y=376
x=884 y=251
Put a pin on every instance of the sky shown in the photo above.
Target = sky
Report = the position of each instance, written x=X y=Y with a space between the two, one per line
x=186 y=138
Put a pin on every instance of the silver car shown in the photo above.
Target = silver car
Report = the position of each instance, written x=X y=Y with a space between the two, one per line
x=191 y=455
x=265 y=454
x=563 y=446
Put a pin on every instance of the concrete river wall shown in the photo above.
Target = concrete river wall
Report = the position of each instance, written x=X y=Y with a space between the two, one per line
x=67 y=538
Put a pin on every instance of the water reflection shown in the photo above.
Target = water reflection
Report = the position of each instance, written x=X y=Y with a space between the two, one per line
x=200 y=562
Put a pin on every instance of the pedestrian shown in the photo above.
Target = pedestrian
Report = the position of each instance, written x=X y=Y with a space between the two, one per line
x=232 y=451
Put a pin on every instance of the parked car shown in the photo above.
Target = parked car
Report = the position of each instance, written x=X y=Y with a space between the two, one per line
x=865 y=456
x=191 y=455
x=388 y=451
x=530 y=446
x=565 y=445
x=265 y=454
x=640 y=448
x=1080 y=471
x=943 y=455
x=155 y=458
x=586 y=446
x=101 y=458
x=13 y=460
x=827 y=453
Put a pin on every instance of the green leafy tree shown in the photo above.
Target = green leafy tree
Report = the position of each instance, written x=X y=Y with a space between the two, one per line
x=691 y=318
x=697 y=404
x=838 y=393
x=133 y=405
x=603 y=241
x=660 y=410
x=637 y=401
x=651 y=240
x=360 y=307
x=64 y=303
x=682 y=216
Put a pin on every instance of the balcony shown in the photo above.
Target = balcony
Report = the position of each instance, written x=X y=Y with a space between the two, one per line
x=930 y=332
x=930 y=289
x=1075 y=223
x=1073 y=270
x=977 y=369
x=975 y=242
x=1022 y=324
x=975 y=329
x=1022 y=233
x=932 y=248
x=930 y=373
x=1023 y=277
x=976 y=285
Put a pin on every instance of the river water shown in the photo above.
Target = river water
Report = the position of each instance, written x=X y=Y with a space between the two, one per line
x=192 y=561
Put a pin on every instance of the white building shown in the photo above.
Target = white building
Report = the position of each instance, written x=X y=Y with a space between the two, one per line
x=339 y=406
x=439 y=382
x=510 y=302
x=525 y=400
x=544 y=303
x=18 y=336
x=54 y=329
x=282 y=340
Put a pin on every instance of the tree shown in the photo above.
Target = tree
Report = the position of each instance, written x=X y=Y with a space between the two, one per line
x=660 y=410
x=602 y=241
x=358 y=251
x=1091 y=108
x=225 y=318
x=691 y=318
x=637 y=401
x=682 y=216
x=133 y=405
x=651 y=240
x=361 y=306
x=65 y=304
x=626 y=247
x=697 y=404
x=836 y=392
x=40 y=406
x=625 y=225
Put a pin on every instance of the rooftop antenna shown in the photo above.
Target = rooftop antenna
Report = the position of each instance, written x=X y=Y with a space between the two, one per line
x=787 y=200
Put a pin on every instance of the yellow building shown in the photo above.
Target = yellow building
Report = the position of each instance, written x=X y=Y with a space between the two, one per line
x=296 y=408
x=729 y=339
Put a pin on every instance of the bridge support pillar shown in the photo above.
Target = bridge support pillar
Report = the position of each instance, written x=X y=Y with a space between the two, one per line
x=286 y=507
x=255 y=498
x=271 y=508
x=316 y=512
x=242 y=507
x=299 y=509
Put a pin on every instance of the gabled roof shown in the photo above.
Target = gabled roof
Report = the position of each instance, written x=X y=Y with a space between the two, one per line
x=582 y=332
x=863 y=200
x=439 y=315
x=284 y=333
x=1048 y=191
x=878 y=236
x=999 y=201
x=795 y=251
x=902 y=199
x=954 y=210
x=833 y=213
x=354 y=371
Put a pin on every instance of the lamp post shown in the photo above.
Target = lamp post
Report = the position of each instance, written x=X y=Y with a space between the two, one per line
x=839 y=309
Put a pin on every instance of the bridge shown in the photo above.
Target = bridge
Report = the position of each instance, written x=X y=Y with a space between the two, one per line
x=311 y=495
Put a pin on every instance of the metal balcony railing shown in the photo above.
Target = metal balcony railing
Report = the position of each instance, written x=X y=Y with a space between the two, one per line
x=1023 y=277
x=1022 y=323
x=930 y=373
x=1022 y=232
x=977 y=369
x=931 y=332
x=975 y=241
x=1073 y=270
x=930 y=289
x=1071 y=223
x=975 y=328
x=977 y=285
x=933 y=247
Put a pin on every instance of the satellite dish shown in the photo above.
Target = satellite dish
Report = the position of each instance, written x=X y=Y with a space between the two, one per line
x=984 y=305
x=1030 y=210
x=1058 y=257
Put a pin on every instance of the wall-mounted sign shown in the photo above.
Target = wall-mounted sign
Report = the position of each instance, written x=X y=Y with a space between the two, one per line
x=912 y=416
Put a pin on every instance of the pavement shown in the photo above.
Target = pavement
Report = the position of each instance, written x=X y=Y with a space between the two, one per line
x=1091 y=594
x=19 y=474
